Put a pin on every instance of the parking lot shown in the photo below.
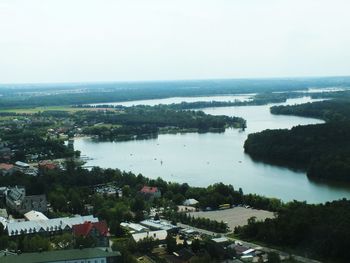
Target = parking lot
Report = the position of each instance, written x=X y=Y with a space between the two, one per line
x=237 y=216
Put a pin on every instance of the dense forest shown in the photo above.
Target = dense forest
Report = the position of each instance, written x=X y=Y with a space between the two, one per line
x=328 y=110
x=255 y=99
x=322 y=150
x=31 y=95
x=320 y=231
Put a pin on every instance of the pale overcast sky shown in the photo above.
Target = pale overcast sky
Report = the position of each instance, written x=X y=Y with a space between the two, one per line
x=115 y=40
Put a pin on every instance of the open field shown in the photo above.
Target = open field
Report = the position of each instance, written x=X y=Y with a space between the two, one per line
x=49 y=108
x=237 y=216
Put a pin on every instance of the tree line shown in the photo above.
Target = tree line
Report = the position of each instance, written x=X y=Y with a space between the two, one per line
x=321 y=231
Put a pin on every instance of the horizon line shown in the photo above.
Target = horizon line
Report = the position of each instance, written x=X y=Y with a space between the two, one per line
x=167 y=80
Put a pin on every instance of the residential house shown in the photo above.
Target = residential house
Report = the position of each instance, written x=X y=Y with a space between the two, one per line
x=47 y=165
x=7 y=169
x=97 y=230
x=17 y=200
x=150 y=192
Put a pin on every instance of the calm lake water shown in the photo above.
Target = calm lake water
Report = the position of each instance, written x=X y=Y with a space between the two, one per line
x=203 y=159
x=239 y=97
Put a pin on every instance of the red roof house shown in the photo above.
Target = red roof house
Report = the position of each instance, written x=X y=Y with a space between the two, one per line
x=150 y=191
x=47 y=165
x=98 y=230
x=6 y=169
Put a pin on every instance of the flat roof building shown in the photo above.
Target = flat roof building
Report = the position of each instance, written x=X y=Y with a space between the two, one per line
x=156 y=235
x=34 y=216
x=159 y=225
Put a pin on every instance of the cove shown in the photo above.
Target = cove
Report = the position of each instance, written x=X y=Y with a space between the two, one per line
x=203 y=159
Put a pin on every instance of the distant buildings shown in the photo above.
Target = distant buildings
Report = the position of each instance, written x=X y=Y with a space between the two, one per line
x=17 y=201
x=150 y=192
x=109 y=190
x=9 y=169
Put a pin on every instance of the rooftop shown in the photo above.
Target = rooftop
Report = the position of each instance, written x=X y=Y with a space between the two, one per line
x=58 y=255
x=6 y=166
x=149 y=190
x=35 y=215
x=190 y=201
x=157 y=224
x=220 y=240
x=85 y=228
x=133 y=226
x=22 y=164
x=50 y=225
x=156 y=235
x=3 y=213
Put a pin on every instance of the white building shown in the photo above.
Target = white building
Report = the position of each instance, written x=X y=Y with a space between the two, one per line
x=134 y=227
x=190 y=202
x=48 y=225
x=156 y=235
x=158 y=225
x=35 y=216
x=22 y=165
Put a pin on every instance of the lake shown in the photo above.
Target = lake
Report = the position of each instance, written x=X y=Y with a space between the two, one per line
x=203 y=159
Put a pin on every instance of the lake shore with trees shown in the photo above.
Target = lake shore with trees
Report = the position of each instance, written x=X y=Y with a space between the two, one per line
x=322 y=150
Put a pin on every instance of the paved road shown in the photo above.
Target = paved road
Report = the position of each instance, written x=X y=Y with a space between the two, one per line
x=252 y=245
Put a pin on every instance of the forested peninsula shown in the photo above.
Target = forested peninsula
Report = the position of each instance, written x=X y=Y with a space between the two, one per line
x=323 y=150
x=142 y=122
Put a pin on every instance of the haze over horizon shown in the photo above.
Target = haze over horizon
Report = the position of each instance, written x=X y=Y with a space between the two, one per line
x=131 y=40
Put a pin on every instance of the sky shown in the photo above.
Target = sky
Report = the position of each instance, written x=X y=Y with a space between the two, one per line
x=133 y=40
